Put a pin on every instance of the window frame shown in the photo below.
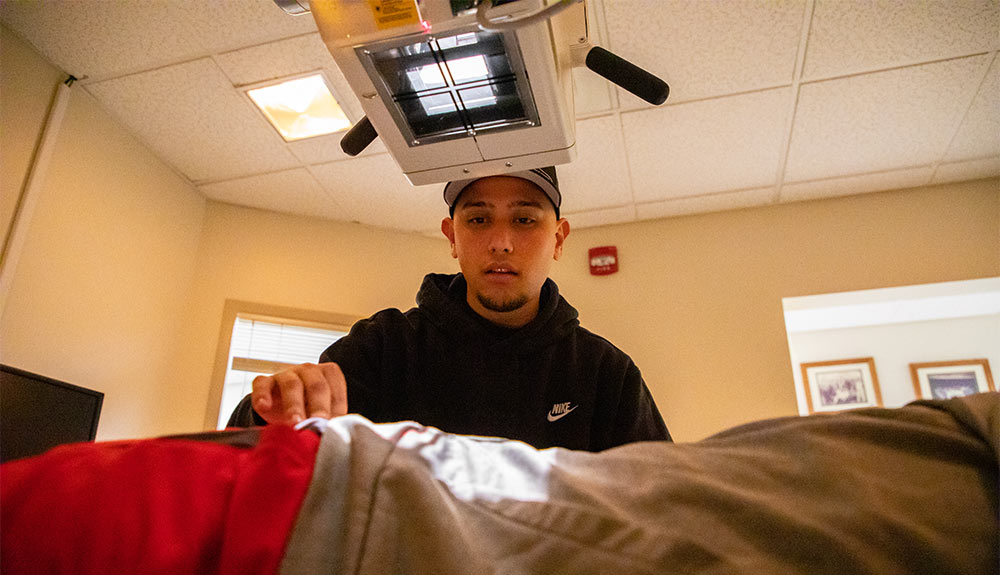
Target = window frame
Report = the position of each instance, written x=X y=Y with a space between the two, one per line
x=262 y=312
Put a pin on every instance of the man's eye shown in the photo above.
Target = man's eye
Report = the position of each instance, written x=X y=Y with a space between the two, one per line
x=477 y=220
x=525 y=220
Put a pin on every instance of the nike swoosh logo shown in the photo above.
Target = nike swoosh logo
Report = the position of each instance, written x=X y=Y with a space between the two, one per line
x=552 y=417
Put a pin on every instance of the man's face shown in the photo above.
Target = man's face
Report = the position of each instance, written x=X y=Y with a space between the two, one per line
x=505 y=235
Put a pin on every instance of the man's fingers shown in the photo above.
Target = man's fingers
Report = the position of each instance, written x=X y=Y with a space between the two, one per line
x=305 y=390
x=291 y=388
x=317 y=391
x=337 y=388
x=263 y=387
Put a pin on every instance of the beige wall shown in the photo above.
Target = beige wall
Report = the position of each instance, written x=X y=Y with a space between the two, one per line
x=27 y=85
x=297 y=262
x=697 y=303
x=108 y=259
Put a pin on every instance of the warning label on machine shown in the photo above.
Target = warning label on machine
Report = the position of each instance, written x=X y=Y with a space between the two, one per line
x=393 y=13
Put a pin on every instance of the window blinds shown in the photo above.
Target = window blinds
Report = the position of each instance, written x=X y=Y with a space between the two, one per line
x=262 y=347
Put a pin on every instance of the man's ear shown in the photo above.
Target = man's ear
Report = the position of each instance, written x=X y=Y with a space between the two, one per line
x=448 y=229
x=562 y=230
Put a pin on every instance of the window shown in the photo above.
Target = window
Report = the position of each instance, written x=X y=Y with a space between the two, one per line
x=256 y=339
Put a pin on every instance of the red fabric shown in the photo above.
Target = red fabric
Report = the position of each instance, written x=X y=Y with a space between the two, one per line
x=267 y=501
x=155 y=506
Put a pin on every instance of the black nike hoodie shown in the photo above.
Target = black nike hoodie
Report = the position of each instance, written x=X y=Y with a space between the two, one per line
x=548 y=383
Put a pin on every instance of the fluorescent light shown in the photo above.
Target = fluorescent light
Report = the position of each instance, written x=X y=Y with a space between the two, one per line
x=443 y=88
x=468 y=69
x=463 y=70
x=300 y=108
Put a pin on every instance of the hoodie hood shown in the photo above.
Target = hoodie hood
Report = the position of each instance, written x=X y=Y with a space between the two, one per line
x=442 y=302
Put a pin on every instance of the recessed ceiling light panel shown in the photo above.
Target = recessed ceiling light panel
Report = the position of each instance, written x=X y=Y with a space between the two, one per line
x=301 y=107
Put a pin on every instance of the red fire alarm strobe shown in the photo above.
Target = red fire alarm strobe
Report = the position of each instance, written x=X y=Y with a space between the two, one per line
x=603 y=260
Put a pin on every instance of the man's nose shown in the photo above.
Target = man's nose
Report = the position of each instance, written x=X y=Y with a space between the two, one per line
x=501 y=240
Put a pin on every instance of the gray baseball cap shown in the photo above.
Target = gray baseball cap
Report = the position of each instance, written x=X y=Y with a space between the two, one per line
x=544 y=178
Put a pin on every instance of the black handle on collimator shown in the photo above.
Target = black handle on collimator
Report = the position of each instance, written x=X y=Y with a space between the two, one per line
x=628 y=75
x=357 y=138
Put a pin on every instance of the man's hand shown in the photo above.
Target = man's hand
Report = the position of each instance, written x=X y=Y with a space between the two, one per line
x=305 y=390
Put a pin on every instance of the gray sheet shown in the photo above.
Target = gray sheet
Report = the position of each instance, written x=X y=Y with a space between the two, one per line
x=909 y=490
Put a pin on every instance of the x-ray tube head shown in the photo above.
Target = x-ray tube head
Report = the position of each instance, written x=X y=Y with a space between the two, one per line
x=460 y=89
x=449 y=99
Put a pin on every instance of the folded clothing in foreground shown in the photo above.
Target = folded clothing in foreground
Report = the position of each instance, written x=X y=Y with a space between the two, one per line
x=909 y=490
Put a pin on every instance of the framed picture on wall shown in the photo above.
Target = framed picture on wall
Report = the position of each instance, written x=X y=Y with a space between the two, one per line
x=841 y=384
x=946 y=379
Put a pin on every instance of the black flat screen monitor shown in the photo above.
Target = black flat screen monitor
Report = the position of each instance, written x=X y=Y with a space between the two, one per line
x=38 y=413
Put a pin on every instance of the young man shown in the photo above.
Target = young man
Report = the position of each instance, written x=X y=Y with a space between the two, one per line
x=494 y=350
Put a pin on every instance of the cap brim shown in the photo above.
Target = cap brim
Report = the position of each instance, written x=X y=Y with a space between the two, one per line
x=538 y=177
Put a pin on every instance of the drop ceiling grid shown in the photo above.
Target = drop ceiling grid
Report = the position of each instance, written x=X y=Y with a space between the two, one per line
x=706 y=49
x=793 y=100
x=293 y=191
x=593 y=94
x=601 y=217
x=628 y=166
x=285 y=58
x=713 y=54
x=373 y=191
x=290 y=57
x=191 y=115
x=884 y=35
x=967 y=170
x=705 y=203
x=74 y=36
x=859 y=184
x=323 y=149
x=146 y=35
x=708 y=146
x=598 y=178
x=978 y=135
x=272 y=60
x=880 y=121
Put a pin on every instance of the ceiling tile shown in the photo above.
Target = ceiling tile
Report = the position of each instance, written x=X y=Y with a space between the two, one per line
x=290 y=191
x=703 y=49
x=593 y=94
x=703 y=204
x=891 y=91
x=101 y=39
x=862 y=184
x=194 y=119
x=886 y=34
x=374 y=191
x=707 y=146
x=967 y=170
x=598 y=178
x=881 y=121
x=605 y=217
x=285 y=58
x=323 y=149
x=979 y=135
